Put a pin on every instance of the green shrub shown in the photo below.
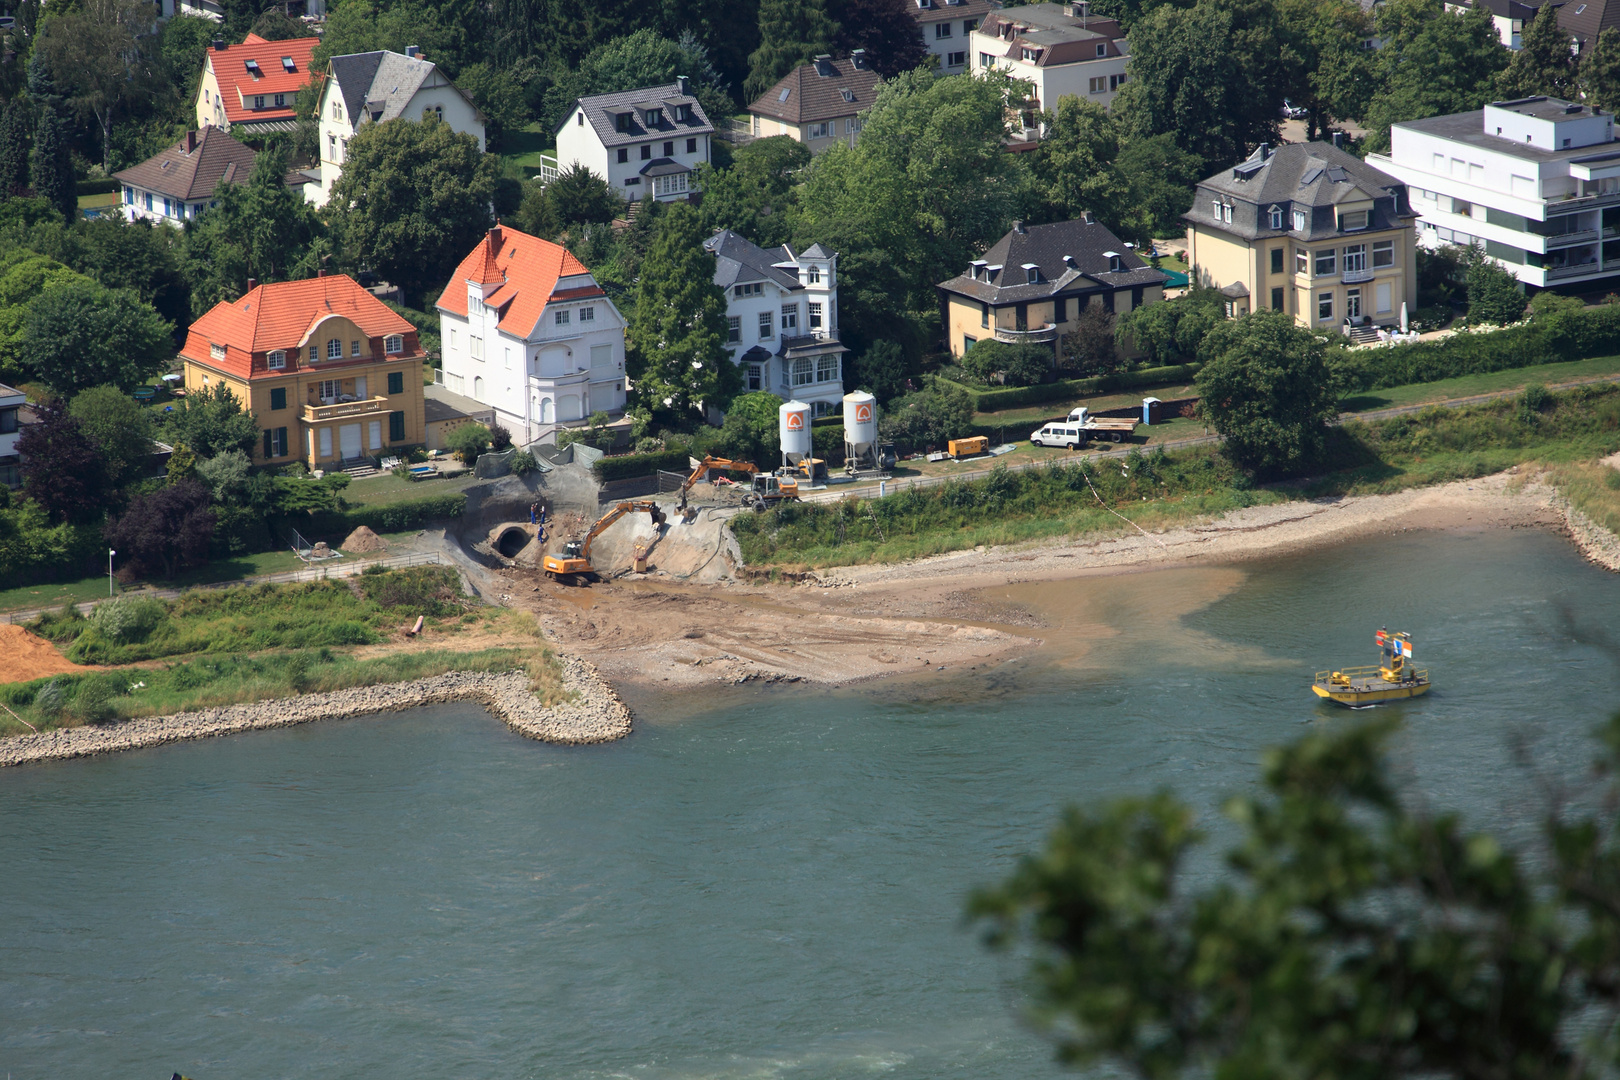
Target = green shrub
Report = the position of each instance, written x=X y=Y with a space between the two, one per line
x=51 y=699
x=1537 y=397
x=60 y=626
x=1016 y=397
x=626 y=466
x=390 y=517
x=523 y=463
x=424 y=590
x=93 y=698
x=128 y=618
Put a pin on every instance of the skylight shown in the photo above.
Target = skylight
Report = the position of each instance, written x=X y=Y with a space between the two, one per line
x=287 y=64
x=783 y=96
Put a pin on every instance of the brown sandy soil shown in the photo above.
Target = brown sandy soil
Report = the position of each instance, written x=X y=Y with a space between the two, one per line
x=959 y=610
x=25 y=656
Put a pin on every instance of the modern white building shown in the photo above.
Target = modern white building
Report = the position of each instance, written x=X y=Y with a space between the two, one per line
x=1061 y=50
x=645 y=143
x=1535 y=181
x=782 y=318
x=375 y=87
x=12 y=403
x=526 y=330
x=180 y=181
x=947 y=28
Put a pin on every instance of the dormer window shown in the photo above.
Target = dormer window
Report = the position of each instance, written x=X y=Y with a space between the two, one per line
x=276 y=360
x=1276 y=216
x=1353 y=221
x=258 y=101
x=394 y=344
x=1029 y=54
x=1032 y=274
x=1115 y=261
x=1299 y=221
x=475 y=304
x=683 y=113
x=216 y=352
x=1102 y=50
x=621 y=121
x=654 y=117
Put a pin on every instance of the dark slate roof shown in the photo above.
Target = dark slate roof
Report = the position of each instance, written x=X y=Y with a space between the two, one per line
x=1086 y=243
x=1585 y=19
x=1511 y=9
x=600 y=110
x=193 y=174
x=353 y=74
x=1313 y=176
x=825 y=89
x=738 y=261
x=945 y=11
x=663 y=167
x=378 y=83
x=1059 y=37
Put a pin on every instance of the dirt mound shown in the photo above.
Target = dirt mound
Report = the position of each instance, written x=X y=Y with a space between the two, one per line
x=25 y=656
x=363 y=540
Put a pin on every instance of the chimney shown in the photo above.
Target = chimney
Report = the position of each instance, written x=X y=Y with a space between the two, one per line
x=495 y=239
x=1338 y=140
x=1068 y=260
x=253 y=283
x=682 y=85
x=191 y=141
x=858 y=58
x=824 y=66
x=1086 y=218
x=321 y=272
x=1263 y=151
x=412 y=50
x=1018 y=227
x=219 y=44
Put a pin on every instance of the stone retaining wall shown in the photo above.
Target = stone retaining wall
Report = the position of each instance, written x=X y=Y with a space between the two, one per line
x=596 y=714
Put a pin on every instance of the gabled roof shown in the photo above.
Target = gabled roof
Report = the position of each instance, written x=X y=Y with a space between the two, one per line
x=528 y=269
x=238 y=85
x=933 y=11
x=281 y=316
x=825 y=89
x=379 y=86
x=601 y=109
x=739 y=261
x=1585 y=19
x=1090 y=245
x=193 y=167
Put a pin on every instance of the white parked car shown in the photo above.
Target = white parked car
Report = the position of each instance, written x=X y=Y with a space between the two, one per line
x=1294 y=112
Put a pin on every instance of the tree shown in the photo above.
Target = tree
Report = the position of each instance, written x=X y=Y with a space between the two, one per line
x=1266 y=387
x=1336 y=72
x=644 y=58
x=884 y=28
x=1433 y=63
x=750 y=432
x=881 y=371
x=15 y=123
x=30 y=545
x=1074 y=164
x=580 y=197
x=210 y=421
x=99 y=53
x=1494 y=294
x=262 y=229
x=677 y=340
x=790 y=33
x=499 y=98
x=120 y=428
x=369 y=25
x=146 y=258
x=183 y=46
x=170 y=527
x=1544 y=64
x=414 y=198
x=1172 y=331
x=66 y=472
x=1090 y=347
x=50 y=165
x=1600 y=70
x=1350 y=934
x=274 y=25
x=24 y=277
x=1161 y=177
x=228 y=477
x=468 y=441
x=928 y=417
x=757 y=196
x=1013 y=365
x=81 y=334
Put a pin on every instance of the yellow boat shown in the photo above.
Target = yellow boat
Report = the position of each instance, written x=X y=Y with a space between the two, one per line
x=1390 y=680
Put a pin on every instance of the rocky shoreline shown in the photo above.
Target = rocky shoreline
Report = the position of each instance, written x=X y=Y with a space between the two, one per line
x=595 y=714
x=1597 y=544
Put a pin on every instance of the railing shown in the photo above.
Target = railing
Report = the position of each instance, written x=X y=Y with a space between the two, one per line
x=1353 y=277
x=341 y=409
x=1565 y=239
x=548 y=169
x=1045 y=332
x=1368 y=671
x=1554 y=272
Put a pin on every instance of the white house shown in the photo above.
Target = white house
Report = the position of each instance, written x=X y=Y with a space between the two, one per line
x=782 y=318
x=12 y=402
x=1059 y=49
x=645 y=143
x=946 y=27
x=1508 y=16
x=180 y=181
x=1535 y=181
x=526 y=330
x=370 y=88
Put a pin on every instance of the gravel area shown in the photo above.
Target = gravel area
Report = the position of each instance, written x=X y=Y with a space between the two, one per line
x=595 y=714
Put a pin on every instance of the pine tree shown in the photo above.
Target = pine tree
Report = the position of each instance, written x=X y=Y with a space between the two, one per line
x=677 y=341
x=1600 y=71
x=14 y=125
x=790 y=32
x=1545 y=65
x=51 y=167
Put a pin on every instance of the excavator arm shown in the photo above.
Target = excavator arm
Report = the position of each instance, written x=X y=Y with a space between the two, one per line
x=714 y=463
x=614 y=515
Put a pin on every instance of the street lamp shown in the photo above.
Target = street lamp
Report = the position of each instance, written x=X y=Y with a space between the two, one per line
x=110 y=554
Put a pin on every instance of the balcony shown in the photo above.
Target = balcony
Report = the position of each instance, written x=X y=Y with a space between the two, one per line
x=1566 y=239
x=1047 y=332
x=1558 y=273
x=341 y=409
x=1355 y=277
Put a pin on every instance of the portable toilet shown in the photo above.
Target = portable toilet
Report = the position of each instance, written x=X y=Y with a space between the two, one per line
x=1150 y=410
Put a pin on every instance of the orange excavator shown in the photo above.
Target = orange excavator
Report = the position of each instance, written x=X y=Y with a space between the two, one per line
x=574 y=564
x=709 y=463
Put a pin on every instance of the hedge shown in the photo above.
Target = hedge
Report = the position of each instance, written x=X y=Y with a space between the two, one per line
x=628 y=465
x=1013 y=397
x=390 y=517
x=104 y=185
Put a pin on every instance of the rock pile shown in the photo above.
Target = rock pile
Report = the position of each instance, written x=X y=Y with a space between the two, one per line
x=594 y=714
x=363 y=541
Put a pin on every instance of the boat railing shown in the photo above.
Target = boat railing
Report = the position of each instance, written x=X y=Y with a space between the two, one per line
x=1370 y=671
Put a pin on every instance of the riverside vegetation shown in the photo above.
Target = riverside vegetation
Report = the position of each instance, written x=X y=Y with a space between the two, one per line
x=1564 y=431
x=259 y=642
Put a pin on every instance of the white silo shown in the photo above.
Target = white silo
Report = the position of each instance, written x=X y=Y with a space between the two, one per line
x=860 y=431
x=794 y=418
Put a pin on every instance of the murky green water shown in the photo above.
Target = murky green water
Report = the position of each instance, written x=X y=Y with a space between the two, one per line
x=767 y=888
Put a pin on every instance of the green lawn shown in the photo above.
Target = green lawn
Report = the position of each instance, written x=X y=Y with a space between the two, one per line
x=1030 y=417
x=525 y=149
x=1469 y=385
x=98 y=202
x=388 y=488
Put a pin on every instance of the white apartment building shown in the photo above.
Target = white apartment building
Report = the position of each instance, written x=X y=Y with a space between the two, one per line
x=947 y=29
x=12 y=402
x=782 y=318
x=527 y=331
x=645 y=143
x=374 y=87
x=1535 y=181
x=1059 y=49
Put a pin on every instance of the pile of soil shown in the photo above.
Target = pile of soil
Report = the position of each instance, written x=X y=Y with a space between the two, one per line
x=363 y=540
x=25 y=656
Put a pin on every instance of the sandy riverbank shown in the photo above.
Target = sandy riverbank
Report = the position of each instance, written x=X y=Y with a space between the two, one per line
x=595 y=714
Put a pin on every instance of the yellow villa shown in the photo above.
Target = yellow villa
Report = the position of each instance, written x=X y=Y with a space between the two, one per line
x=331 y=374
x=1309 y=230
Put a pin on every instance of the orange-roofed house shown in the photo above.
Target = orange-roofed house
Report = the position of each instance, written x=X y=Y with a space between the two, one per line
x=526 y=330
x=250 y=89
x=331 y=374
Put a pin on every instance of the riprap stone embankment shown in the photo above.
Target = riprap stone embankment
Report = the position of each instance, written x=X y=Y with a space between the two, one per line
x=595 y=714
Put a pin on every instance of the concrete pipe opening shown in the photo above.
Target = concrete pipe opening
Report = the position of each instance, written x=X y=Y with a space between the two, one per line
x=511 y=541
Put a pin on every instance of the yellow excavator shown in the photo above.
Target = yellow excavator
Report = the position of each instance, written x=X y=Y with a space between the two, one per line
x=728 y=465
x=574 y=564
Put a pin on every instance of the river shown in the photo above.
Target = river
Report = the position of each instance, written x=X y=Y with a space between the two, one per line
x=761 y=884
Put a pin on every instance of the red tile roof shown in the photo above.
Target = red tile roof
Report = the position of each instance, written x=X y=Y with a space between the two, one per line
x=282 y=316
x=528 y=269
x=238 y=87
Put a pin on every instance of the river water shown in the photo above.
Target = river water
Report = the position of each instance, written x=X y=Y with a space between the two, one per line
x=766 y=884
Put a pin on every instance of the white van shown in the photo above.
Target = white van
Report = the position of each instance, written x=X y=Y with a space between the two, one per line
x=1068 y=435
